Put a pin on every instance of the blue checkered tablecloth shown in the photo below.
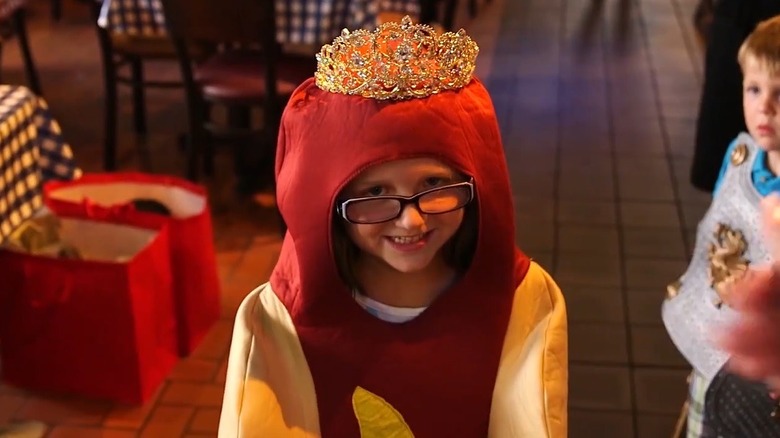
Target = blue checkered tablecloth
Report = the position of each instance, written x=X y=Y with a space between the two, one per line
x=32 y=151
x=312 y=22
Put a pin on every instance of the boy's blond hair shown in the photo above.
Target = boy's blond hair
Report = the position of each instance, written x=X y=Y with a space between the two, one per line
x=763 y=45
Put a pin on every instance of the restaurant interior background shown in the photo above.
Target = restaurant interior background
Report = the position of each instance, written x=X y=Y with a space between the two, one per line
x=597 y=101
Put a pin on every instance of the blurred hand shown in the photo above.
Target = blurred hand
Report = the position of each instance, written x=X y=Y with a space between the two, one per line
x=754 y=341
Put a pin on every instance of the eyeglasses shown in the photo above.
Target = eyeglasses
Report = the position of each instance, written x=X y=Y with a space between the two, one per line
x=377 y=209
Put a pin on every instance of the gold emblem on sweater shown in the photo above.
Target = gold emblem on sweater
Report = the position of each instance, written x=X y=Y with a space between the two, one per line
x=673 y=288
x=739 y=154
x=727 y=261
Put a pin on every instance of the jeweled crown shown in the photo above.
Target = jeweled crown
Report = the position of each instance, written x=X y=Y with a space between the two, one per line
x=396 y=61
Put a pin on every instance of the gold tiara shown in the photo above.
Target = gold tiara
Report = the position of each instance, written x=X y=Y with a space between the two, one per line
x=396 y=61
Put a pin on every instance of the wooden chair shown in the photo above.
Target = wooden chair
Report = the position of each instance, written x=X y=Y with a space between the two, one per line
x=56 y=9
x=13 y=21
x=680 y=429
x=429 y=12
x=123 y=58
x=250 y=71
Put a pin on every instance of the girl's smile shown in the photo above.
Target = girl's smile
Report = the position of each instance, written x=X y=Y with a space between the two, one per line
x=410 y=243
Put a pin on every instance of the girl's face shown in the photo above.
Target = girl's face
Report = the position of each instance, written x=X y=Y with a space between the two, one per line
x=412 y=241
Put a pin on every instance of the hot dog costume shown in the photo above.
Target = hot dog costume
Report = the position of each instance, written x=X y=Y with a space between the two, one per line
x=487 y=358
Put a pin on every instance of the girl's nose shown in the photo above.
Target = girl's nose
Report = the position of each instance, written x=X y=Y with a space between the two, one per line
x=411 y=218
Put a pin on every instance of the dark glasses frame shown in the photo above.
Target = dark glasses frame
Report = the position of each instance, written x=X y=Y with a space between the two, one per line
x=341 y=207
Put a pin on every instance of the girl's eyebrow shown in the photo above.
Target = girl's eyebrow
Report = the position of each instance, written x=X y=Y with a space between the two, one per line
x=443 y=173
x=368 y=183
x=440 y=173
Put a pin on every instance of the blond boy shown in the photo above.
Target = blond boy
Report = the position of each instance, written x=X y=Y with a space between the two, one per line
x=728 y=241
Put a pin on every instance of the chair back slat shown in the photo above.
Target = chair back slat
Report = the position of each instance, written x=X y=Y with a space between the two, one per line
x=219 y=22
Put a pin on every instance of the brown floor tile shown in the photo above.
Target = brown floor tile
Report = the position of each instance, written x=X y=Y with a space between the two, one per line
x=132 y=417
x=631 y=145
x=592 y=423
x=633 y=107
x=693 y=213
x=652 y=346
x=12 y=390
x=231 y=245
x=534 y=162
x=598 y=343
x=221 y=372
x=644 y=307
x=593 y=305
x=639 y=188
x=256 y=266
x=237 y=288
x=655 y=426
x=167 y=421
x=587 y=129
x=583 y=131
x=530 y=212
x=88 y=432
x=685 y=190
x=690 y=241
x=586 y=213
x=643 y=166
x=583 y=161
x=545 y=260
x=592 y=146
x=594 y=188
x=194 y=370
x=654 y=242
x=582 y=239
x=538 y=237
x=660 y=391
x=227 y=261
x=599 y=387
x=530 y=140
x=64 y=410
x=581 y=269
x=206 y=420
x=216 y=342
x=9 y=405
x=193 y=394
x=534 y=186
x=653 y=274
x=649 y=214
x=637 y=139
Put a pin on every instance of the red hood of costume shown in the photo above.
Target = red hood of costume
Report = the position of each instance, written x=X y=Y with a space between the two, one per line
x=437 y=370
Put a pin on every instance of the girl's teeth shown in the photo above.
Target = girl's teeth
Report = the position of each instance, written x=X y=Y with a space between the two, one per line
x=405 y=240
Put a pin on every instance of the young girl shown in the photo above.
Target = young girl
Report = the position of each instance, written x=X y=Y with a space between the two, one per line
x=399 y=305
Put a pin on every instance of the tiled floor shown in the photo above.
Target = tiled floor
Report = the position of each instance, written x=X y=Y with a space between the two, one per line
x=597 y=102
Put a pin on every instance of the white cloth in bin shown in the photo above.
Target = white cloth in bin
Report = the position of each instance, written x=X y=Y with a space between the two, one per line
x=181 y=202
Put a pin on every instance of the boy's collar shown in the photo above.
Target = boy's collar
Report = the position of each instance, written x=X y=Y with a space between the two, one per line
x=761 y=171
